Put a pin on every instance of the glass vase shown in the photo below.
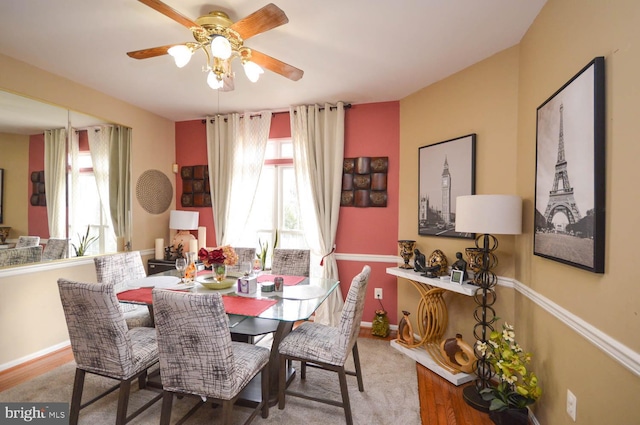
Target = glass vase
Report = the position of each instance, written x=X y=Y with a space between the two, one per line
x=219 y=271
x=190 y=271
x=380 y=324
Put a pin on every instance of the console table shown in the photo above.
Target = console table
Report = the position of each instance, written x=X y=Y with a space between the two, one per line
x=432 y=319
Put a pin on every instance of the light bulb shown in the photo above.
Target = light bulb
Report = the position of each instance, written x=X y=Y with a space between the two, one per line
x=213 y=81
x=220 y=47
x=181 y=54
x=252 y=70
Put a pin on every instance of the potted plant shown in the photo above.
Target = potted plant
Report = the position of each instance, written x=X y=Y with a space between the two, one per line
x=83 y=243
x=517 y=387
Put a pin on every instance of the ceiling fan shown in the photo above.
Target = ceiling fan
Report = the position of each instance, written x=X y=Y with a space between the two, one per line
x=222 y=40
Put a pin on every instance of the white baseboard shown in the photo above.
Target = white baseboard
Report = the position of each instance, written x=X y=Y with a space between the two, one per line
x=35 y=355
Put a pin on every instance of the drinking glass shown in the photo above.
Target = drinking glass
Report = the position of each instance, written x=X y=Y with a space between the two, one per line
x=246 y=267
x=181 y=266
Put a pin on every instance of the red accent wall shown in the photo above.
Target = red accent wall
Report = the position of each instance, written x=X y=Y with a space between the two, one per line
x=38 y=222
x=370 y=130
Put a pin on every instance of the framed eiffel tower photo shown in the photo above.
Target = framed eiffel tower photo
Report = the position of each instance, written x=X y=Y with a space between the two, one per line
x=570 y=172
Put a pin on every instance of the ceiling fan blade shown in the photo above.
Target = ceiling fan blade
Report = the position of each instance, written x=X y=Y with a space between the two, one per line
x=150 y=53
x=269 y=17
x=274 y=65
x=170 y=12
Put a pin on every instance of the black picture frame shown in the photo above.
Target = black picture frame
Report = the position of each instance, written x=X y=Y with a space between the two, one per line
x=569 y=208
x=446 y=170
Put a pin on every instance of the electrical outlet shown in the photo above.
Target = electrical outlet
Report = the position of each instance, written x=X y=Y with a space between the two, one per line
x=572 y=402
x=377 y=294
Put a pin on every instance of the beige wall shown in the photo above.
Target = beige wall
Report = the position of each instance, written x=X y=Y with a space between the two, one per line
x=482 y=100
x=497 y=99
x=15 y=161
x=563 y=39
x=31 y=318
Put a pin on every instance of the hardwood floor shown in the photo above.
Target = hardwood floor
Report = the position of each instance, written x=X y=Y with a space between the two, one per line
x=441 y=402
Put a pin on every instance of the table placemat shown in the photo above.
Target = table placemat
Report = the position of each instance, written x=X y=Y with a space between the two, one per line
x=246 y=306
x=140 y=295
x=287 y=280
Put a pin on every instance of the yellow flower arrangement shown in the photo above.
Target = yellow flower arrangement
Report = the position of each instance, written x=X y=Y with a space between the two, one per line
x=517 y=387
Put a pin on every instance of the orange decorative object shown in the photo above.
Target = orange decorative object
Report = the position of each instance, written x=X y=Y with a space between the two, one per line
x=458 y=354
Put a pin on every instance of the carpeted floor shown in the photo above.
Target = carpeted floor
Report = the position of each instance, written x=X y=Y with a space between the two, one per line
x=390 y=396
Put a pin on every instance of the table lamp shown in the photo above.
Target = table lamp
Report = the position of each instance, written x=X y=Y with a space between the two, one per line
x=183 y=222
x=486 y=215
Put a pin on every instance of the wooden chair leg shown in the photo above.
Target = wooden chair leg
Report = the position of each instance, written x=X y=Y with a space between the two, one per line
x=265 y=391
x=142 y=380
x=165 y=413
x=282 y=381
x=345 y=396
x=76 y=398
x=123 y=402
x=303 y=369
x=356 y=362
x=227 y=412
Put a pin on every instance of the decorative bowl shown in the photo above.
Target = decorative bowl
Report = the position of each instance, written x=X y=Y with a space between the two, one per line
x=209 y=281
x=4 y=233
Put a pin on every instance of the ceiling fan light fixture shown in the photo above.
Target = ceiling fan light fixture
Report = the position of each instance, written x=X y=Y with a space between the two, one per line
x=181 y=54
x=213 y=81
x=220 y=47
x=252 y=71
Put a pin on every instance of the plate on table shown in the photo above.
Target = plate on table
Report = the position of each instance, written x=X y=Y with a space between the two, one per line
x=164 y=282
x=208 y=281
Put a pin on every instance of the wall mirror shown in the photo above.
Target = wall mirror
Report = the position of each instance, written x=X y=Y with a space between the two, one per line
x=27 y=205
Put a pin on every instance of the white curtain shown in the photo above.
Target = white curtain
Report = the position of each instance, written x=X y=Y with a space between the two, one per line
x=55 y=181
x=120 y=194
x=235 y=147
x=74 y=198
x=318 y=153
x=98 y=138
x=110 y=148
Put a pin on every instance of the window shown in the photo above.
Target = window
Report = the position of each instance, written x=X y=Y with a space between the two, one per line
x=275 y=205
x=90 y=212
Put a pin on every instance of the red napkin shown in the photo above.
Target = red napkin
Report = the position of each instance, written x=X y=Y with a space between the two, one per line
x=287 y=280
x=246 y=306
x=140 y=295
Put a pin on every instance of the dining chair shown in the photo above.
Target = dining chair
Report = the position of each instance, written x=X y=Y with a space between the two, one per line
x=244 y=255
x=102 y=344
x=197 y=356
x=27 y=241
x=116 y=269
x=55 y=249
x=327 y=347
x=292 y=262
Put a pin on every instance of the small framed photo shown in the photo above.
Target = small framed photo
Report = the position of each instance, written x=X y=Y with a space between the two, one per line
x=457 y=276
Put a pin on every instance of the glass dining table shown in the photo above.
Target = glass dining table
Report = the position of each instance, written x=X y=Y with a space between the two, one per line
x=254 y=315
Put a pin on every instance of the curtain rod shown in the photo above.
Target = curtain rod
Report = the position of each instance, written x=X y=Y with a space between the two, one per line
x=346 y=106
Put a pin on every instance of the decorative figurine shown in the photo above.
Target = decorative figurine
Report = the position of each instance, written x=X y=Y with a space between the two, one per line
x=406 y=250
x=458 y=354
x=438 y=264
x=405 y=331
x=460 y=264
x=420 y=261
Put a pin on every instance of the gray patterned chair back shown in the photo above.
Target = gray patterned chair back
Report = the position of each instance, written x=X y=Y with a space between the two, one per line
x=194 y=342
x=244 y=254
x=290 y=262
x=352 y=313
x=116 y=269
x=100 y=340
x=27 y=241
x=55 y=249
x=16 y=256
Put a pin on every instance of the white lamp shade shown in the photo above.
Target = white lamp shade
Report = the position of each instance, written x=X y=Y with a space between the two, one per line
x=181 y=54
x=184 y=220
x=489 y=214
x=213 y=81
x=252 y=71
x=220 y=47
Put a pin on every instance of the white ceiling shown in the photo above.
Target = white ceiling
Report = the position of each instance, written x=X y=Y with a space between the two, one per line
x=357 y=51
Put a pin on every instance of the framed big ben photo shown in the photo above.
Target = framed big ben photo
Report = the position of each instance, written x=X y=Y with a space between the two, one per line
x=446 y=170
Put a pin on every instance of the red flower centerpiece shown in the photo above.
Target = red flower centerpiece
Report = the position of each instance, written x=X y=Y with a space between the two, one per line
x=220 y=255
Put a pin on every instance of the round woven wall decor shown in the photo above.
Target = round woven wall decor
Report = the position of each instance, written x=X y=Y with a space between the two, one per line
x=154 y=191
